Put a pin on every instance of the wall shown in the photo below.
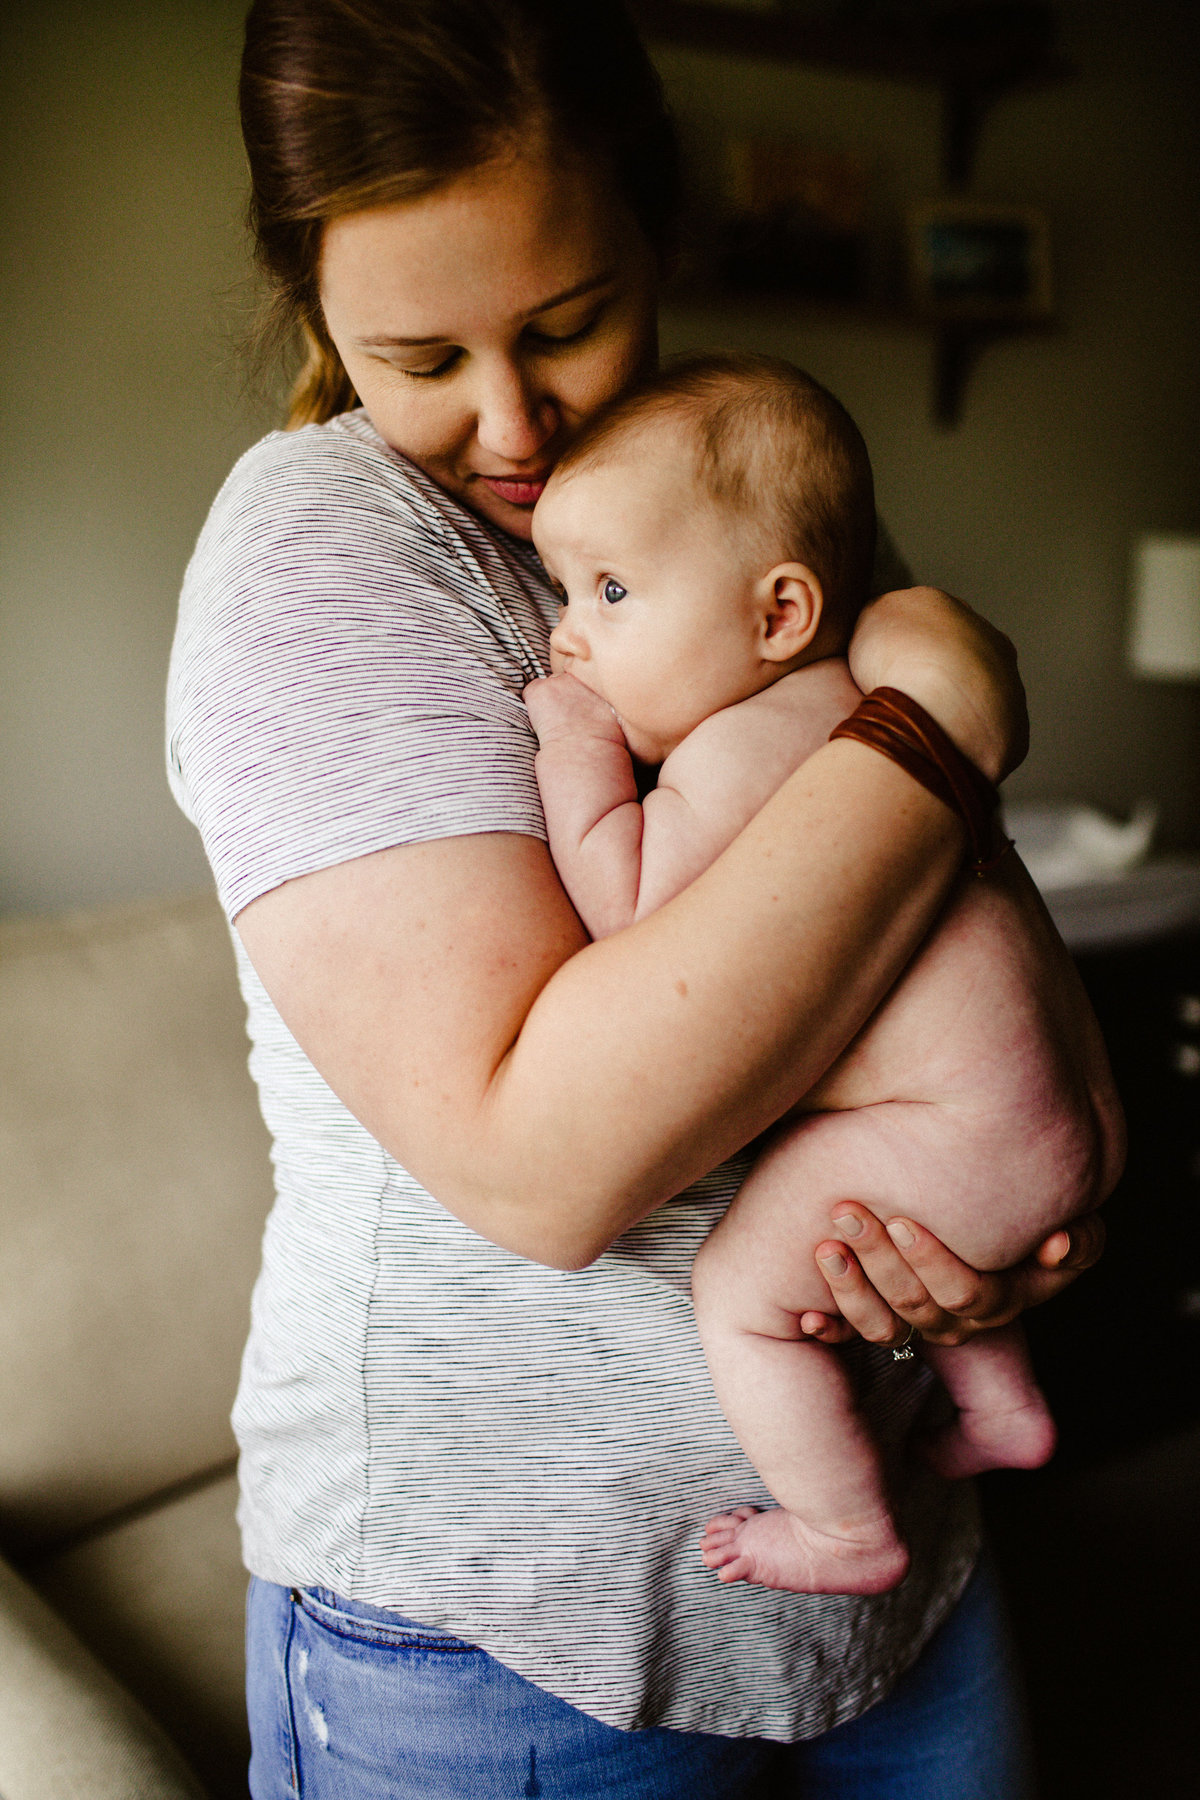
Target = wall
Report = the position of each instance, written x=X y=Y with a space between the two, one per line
x=124 y=405
x=124 y=400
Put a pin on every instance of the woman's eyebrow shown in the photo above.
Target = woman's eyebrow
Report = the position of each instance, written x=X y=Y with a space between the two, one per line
x=572 y=293
x=386 y=340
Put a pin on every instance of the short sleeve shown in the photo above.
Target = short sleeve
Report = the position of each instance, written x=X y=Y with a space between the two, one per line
x=348 y=666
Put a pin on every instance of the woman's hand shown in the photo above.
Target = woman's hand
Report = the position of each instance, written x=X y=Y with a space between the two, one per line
x=959 y=668
x=899 y=1277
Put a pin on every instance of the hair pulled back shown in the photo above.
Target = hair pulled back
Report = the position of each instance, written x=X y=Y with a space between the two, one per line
x=349 y=104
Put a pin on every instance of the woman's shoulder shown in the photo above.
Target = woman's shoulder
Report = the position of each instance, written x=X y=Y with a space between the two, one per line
x=332 y=510
x=323 y=477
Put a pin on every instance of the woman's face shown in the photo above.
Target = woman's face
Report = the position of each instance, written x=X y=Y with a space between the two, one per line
x=482 y=323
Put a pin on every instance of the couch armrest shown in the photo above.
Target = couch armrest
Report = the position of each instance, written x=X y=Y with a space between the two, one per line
x=68 y=1729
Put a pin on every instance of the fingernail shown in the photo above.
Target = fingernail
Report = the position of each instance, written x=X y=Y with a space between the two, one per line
x=833 y=1265
x=850 y=1223
x=900 y=1234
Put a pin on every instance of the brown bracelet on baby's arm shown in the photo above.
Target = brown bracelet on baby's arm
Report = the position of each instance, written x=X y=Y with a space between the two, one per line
x=895 y=725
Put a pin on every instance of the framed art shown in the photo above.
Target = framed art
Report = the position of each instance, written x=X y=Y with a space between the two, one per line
x=975 y=259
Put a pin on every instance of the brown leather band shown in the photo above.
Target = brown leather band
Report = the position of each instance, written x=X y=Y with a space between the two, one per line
x=899 y=728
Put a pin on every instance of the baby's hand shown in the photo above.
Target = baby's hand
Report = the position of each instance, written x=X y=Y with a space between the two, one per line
x=559 y=706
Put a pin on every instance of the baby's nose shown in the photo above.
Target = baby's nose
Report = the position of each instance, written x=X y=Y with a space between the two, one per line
x=565 y=639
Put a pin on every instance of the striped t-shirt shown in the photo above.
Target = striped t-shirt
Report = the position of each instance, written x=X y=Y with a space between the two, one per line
x=518 y=1455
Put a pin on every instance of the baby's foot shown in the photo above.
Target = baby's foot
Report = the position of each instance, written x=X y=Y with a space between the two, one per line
x=778 y=1550
x=1019 y=1437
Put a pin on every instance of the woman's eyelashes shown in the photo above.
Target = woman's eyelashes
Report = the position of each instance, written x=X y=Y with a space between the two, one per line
x=443 y=368
x=613 y=591
x=542 y=340
x=553 y=340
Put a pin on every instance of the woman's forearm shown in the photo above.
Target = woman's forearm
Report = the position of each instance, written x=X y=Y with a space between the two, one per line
x=551 y=1092
x=650 y=1057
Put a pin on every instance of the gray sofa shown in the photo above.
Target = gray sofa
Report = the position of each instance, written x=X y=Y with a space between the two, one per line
x=134 y=1181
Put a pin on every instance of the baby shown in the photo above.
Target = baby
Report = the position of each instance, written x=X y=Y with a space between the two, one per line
x=711 y=537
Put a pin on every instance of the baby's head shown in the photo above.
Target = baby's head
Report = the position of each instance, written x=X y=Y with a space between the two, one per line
x=710 y=531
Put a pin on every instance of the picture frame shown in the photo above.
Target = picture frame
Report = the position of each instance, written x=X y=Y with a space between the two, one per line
x=979 y=260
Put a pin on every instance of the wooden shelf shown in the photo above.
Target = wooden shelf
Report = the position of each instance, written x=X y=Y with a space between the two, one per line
x=973 y=54
x=957 y=343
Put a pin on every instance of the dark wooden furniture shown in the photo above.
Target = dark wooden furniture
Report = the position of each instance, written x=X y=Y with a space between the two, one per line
x=1119 y=1355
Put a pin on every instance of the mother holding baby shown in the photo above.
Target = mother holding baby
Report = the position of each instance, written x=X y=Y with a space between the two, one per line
x=479 y=1440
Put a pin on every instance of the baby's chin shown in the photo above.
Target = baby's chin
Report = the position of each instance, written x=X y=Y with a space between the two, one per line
x=644 y=746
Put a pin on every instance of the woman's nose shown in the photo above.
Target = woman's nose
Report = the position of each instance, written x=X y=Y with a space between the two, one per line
x=515 y=419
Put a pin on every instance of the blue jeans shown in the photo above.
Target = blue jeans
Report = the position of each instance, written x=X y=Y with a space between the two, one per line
x=348 y=1702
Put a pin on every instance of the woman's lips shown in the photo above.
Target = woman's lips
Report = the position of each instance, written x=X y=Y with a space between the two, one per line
x=518 y=490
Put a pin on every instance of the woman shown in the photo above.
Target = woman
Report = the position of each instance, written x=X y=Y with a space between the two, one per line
x=487 y=1412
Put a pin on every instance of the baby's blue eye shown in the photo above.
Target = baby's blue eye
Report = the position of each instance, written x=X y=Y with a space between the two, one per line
x=613 y=591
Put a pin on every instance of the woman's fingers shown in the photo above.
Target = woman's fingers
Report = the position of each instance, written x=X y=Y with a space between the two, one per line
x=900 y=1275
x=826 y=1329
x=1075 y=1249
x=918 y=1281
x=880 y=1305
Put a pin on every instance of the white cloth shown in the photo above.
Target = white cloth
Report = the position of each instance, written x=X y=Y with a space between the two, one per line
x=521 y=1456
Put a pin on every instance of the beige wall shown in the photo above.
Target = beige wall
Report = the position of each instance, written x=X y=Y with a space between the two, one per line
x=124 y=401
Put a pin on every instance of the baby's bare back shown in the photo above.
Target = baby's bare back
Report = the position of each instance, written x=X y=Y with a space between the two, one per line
x=982 y=1085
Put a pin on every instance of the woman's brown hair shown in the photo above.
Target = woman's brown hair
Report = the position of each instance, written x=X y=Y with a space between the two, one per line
x=348 y=104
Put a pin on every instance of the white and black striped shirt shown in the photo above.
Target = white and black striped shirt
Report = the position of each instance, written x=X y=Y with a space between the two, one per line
x=521 y=1456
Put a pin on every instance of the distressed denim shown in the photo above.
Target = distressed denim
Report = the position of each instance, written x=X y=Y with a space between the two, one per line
x=349 y=1702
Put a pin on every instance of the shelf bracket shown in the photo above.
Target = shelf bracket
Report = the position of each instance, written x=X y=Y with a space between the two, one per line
x=957 y=348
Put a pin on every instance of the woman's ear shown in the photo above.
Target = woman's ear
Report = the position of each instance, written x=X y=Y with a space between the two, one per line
x=792 y=606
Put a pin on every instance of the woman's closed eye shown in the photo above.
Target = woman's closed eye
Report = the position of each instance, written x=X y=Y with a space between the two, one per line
x=444 y=367
x=613 y=591
x=554 y=340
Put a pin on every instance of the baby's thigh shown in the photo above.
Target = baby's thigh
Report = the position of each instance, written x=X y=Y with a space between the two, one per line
x=758 y=1266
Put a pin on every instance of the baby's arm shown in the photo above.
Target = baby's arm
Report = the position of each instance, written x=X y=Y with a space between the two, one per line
x=619 y=858
x=589 y=796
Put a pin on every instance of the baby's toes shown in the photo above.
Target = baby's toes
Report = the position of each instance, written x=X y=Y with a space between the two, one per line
x=737 y=1568
x=733 y=1520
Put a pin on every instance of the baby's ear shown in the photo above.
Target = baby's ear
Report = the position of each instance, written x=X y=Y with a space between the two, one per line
x=792 y=607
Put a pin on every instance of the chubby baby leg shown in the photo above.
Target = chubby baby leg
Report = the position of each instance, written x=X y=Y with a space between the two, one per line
x=1003 y=1421
x=789 y=1399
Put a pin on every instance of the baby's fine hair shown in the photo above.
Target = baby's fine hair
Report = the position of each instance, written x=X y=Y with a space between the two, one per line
x=774 y=447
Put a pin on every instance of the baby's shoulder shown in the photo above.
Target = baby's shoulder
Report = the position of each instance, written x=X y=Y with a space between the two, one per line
x=784 y=723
